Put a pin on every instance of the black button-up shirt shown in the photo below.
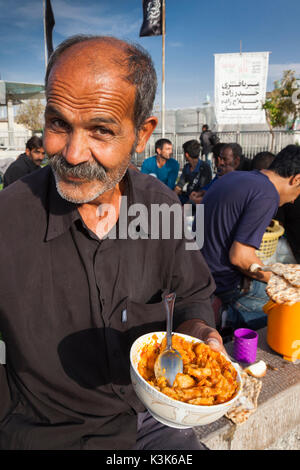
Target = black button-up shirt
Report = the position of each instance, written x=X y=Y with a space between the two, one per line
x=71 y=306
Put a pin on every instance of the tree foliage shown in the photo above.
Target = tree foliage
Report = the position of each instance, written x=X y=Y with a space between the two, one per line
x=31 y=115
x=280 y=106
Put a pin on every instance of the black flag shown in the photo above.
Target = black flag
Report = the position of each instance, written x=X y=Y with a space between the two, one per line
x=152 y=24
x=49 y=24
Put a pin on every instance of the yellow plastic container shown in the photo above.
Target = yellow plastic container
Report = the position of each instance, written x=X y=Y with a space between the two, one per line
x=270 y=240
x=283 y=332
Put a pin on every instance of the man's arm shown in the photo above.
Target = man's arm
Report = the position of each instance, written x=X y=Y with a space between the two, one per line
x=242 y=256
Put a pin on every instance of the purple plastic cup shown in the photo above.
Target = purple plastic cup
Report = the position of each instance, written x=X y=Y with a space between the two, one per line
x=245 y=345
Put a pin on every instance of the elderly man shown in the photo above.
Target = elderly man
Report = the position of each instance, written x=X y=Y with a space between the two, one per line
x=27 y=162
x=73 y=298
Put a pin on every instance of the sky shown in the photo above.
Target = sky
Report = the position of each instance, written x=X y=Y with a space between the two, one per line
x=195 y=31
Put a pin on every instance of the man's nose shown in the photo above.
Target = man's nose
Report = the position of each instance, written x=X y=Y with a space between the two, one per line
x=76 y=150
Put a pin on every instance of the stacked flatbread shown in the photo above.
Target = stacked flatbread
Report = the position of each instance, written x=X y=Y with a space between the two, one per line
x=247 y=402
x=284 y=284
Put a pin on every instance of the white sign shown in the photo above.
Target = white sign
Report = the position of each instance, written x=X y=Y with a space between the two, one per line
x=240 y=87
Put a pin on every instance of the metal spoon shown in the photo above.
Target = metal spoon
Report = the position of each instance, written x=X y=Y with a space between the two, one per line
x=169 y=362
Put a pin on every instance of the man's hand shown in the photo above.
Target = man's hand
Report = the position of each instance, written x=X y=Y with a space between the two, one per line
x=177 y=190
x=197 y=196
x=243 y=256
x=199 y=329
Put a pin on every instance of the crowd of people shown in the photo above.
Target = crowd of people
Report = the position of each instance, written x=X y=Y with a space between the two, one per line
x=72 y=302
x=237 y=213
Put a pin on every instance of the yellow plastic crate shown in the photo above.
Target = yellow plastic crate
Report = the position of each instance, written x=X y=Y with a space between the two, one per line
x=270 y=240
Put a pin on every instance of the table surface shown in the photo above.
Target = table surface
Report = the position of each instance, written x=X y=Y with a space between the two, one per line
x=281 y=375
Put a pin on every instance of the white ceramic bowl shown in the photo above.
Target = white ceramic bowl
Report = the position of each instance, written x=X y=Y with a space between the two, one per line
x=168 y=411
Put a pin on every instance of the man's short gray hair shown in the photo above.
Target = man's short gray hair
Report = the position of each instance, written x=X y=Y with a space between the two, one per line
x=140 y=70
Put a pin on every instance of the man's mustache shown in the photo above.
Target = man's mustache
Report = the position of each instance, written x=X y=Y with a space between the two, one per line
x=86 y=171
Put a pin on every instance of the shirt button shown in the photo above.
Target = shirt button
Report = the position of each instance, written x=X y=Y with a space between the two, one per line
x=122 y=391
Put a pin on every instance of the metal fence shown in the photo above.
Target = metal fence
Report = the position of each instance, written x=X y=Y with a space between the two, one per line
x=251 y=142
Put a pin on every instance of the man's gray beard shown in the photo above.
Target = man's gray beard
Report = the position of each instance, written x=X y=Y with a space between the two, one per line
x=88 y=172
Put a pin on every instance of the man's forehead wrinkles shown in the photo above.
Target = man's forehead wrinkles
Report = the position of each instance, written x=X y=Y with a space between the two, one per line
x=95 y=96
x=63 y=103
x=95 y=100
x=98 y=89
x=58 y=106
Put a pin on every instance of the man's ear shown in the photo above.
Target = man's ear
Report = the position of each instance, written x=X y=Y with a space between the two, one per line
x=295 y=180
x=145 y=132
x=27 y=151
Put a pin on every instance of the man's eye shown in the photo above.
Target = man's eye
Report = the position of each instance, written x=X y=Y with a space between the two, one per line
x=59 y=124
x=103 y=130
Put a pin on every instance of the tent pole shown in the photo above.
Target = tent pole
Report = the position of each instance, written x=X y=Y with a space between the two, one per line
x=163 y=69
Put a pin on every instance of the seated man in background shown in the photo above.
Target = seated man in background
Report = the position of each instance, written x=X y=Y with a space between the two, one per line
x=195 y=173
x=262 y=160
x=27 y=162
x=238 y=209
x=162 y=165
x=227 y=158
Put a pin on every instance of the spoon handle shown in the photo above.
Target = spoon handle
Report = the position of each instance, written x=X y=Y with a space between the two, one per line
x=169 y=301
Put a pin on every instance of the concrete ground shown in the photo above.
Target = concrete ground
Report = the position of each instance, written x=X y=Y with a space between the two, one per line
x=289 y=441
